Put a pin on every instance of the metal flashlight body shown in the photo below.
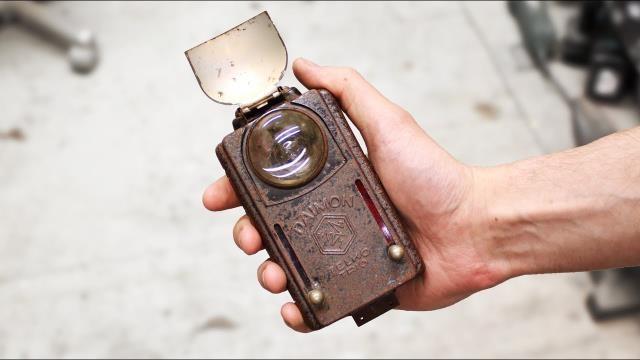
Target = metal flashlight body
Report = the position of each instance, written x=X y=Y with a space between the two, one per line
x=304 y=181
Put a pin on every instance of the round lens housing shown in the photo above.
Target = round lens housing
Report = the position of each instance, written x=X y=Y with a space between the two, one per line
x=287 y=148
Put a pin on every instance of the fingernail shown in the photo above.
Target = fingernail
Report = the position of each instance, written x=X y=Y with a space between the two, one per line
x=261 y=275
x=264 y=269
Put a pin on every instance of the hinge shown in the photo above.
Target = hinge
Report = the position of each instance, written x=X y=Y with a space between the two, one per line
x=247 y=113
x=261 y=102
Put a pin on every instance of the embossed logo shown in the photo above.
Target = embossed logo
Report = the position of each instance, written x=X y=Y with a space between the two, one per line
x=315 y=209
x=333 y=234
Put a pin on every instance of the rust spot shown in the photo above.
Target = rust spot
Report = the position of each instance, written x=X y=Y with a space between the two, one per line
x=12 y=134
x=487 y=110
x=220 y=93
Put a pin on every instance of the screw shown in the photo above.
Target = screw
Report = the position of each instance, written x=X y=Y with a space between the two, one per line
x=316 y=297
x=396 y=252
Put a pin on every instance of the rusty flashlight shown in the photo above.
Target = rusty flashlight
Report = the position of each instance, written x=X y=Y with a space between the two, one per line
x=304 y=181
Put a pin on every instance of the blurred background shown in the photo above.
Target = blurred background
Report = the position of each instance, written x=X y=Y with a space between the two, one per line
x=107 y=142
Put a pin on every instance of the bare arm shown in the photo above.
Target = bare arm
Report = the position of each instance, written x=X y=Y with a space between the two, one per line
x=569 y=211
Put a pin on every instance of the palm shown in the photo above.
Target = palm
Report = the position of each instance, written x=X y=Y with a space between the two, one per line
x=432 y=211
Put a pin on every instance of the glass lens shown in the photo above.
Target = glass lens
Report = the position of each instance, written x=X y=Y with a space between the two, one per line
x=287 y=148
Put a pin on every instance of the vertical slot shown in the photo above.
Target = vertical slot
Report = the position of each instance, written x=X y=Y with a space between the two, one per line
x=292 y=255
x=374 y=211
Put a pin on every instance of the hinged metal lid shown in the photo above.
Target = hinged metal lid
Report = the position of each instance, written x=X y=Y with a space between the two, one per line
x=241 y=65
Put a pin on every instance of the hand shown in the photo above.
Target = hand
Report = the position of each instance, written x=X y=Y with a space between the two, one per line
x=434 y=194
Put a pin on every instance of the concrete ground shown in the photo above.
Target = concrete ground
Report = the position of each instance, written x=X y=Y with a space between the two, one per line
x=106 y=251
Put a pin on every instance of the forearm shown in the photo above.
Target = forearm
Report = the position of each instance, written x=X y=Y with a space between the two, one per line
x=570 y=211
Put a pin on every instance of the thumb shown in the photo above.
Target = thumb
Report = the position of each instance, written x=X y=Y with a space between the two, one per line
x=371 y=112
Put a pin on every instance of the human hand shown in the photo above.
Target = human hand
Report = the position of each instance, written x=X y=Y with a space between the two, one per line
x=435 y=195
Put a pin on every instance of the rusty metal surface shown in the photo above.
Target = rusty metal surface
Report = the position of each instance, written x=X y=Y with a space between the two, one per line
x=323 y=234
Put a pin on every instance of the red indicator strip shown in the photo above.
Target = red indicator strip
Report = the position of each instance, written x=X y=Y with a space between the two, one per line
x=376 y=215
x=292 y=255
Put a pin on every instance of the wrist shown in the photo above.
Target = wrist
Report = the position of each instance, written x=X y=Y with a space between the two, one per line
x=503 y=234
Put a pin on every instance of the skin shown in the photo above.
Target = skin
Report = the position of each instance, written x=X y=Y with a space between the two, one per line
x=476 y=227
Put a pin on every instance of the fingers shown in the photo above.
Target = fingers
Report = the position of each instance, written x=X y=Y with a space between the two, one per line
x=220 y=195
x=272 y=277
x=246 y=236
x=293 y=317
x=369 y=110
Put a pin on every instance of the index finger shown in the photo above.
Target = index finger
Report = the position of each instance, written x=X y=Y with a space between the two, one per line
x=369 y=110
x=220 y=195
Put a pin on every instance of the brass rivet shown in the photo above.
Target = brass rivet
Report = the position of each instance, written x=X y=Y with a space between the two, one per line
x=316 y=297
x=396 y=252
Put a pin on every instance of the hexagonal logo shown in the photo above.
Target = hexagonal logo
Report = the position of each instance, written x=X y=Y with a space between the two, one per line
x=334 y=234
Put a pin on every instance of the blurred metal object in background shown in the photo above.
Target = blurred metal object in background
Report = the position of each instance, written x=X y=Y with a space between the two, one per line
x=604 y=37
x=536 y=29
x=626 y=18
x=80 y=44
x=616 y=293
